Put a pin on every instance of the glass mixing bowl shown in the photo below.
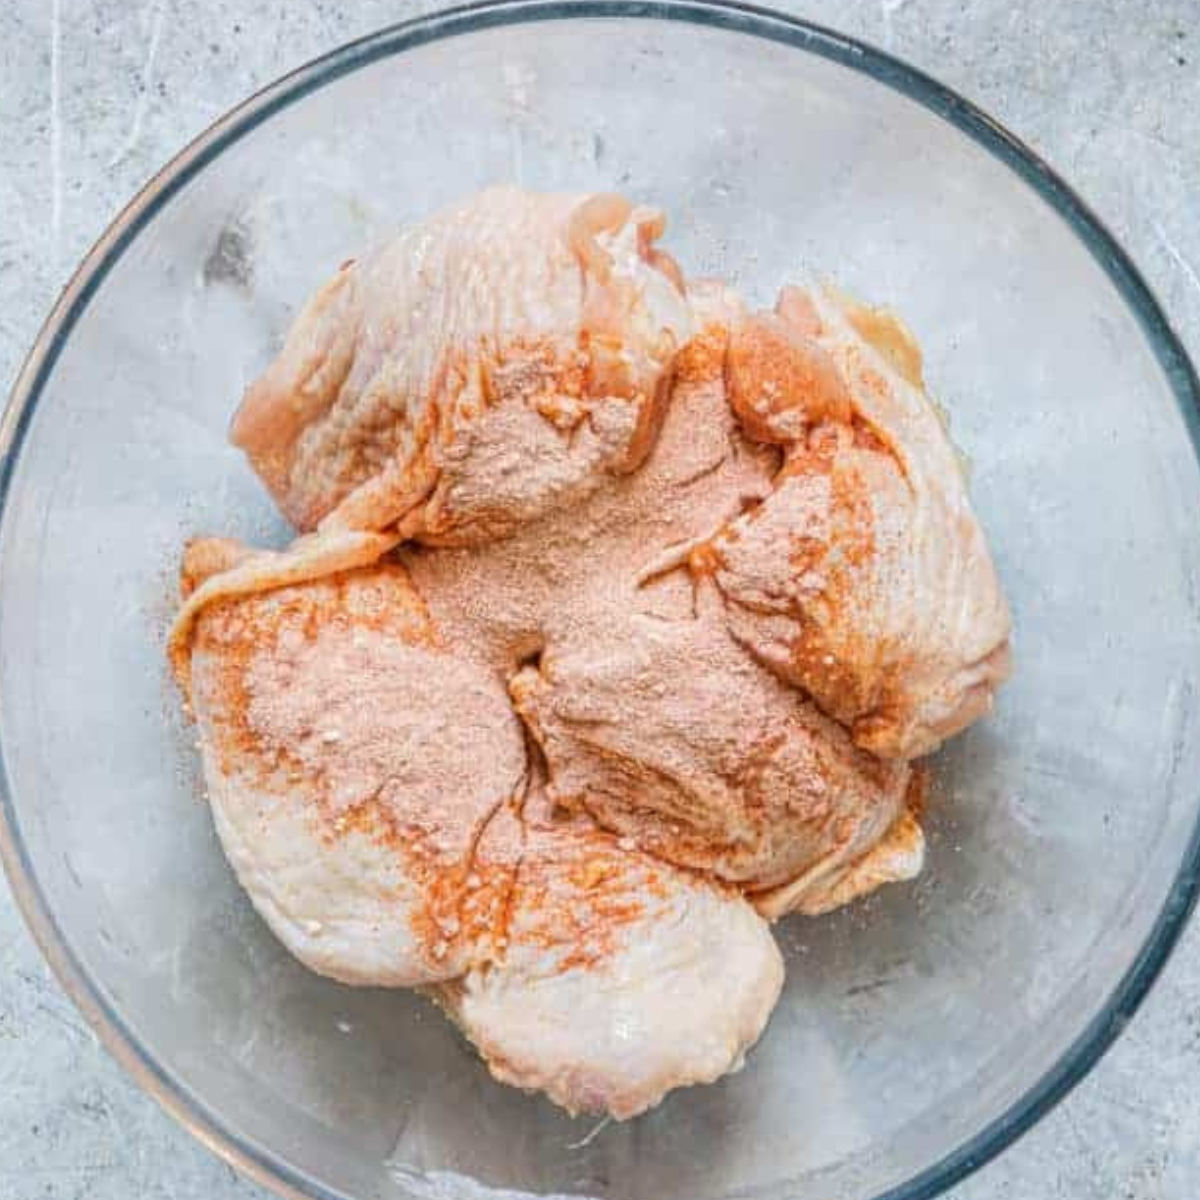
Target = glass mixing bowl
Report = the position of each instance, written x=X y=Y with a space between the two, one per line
x=920 y=1031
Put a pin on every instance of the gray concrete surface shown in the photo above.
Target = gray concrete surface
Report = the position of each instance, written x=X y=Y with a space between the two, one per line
x=96 y=94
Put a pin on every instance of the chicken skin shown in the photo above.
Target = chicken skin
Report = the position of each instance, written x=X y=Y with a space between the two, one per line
x=864 y=578
x=492 y=362
x=329 y=761
x=622 y=977
x=618 y=615
x=668 y=733
x=652 y=719
x=371 y=791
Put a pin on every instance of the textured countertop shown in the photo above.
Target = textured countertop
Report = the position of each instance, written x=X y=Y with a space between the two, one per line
x=96 y=94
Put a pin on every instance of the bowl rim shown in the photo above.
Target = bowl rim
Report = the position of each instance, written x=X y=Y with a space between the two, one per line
x=180 y=1101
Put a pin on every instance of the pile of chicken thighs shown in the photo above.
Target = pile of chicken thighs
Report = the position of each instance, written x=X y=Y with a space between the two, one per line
x=617 y=616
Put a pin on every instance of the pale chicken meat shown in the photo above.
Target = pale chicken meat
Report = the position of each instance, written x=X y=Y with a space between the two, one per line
x=492 y=362
x=622 y=549
x=216 y=569
x=621 y=979
x=668 y=733
x=371 y=791
x=652 y=719
x=864 y=578
x=618 y=615
x=329 y=761
x=899 y=854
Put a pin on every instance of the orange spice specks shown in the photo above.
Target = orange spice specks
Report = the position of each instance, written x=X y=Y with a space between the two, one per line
x=704 y=559
x=867 y=438
x=703 y=358
x=593 y=872
x=917 y=796
x=780 y=381
x=312 y=687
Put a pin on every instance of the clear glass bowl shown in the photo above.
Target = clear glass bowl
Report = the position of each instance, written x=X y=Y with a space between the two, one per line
x=920 y=1031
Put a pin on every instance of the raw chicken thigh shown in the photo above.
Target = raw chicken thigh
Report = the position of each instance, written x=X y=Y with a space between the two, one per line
x=667 y=732
x=490 y=363
x=652 y=719
x=618 y=615
x=371 y=791
x=349 y=794
x=864 y=578
x=622 y=978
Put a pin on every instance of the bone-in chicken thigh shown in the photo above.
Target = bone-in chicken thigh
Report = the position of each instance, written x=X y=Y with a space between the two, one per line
x=621 y=978
x=349 y=793
x=652 y=718
x=668 y=732
x=864 y=578
x=371 y=790
x=496 y=360
x=616 y=619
